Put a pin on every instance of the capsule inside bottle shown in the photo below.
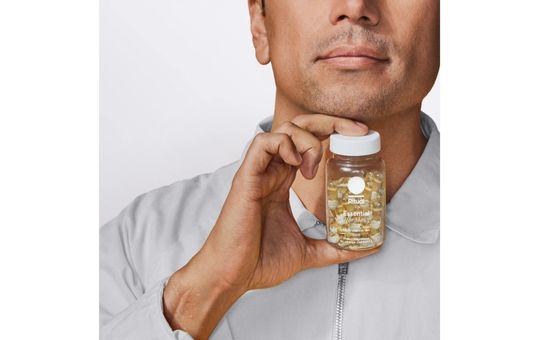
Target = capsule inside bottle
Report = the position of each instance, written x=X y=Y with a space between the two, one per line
x=355 y=193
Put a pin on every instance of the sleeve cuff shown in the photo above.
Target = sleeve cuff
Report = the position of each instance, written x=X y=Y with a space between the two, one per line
x=143 y=320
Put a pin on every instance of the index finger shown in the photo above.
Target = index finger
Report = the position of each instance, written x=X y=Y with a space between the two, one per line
x=322 y=126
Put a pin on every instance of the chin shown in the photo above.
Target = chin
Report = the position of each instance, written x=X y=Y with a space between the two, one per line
x=353 y=101
x=363 y=115
x=357 y=107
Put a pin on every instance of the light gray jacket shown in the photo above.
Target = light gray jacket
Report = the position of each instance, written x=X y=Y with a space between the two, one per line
x=393 y=294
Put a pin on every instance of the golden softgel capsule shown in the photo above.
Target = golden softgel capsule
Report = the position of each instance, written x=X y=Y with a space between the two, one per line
x=355 y=192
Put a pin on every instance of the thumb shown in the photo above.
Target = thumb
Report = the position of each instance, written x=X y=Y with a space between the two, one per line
x=320 y=253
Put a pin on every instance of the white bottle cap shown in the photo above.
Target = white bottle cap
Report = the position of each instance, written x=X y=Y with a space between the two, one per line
x=355 y=145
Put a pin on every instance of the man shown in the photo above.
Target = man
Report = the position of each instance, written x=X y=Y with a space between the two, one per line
x=240 y=253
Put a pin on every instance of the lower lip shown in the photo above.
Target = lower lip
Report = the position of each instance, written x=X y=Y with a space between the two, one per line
x=352 y=62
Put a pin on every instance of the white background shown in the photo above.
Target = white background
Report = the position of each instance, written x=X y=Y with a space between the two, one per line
x=49 y=173
x=181 y=93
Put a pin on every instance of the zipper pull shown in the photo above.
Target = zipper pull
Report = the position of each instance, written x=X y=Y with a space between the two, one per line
x=343 y=268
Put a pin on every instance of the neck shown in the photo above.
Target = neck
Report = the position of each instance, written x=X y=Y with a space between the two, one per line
x=402 y=144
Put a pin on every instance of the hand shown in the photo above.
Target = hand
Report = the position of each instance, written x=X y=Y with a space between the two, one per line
x=256 y=242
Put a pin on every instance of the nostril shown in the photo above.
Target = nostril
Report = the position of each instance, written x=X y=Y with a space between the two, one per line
x=363 y=18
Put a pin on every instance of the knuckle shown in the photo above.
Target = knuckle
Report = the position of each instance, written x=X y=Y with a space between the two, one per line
x=259 y=138
x=339 y=123
x=316 y=148
x=287 y=126
x=282 y=137
x=298 y=120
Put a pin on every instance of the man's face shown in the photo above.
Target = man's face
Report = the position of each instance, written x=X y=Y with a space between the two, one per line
x=353 y=58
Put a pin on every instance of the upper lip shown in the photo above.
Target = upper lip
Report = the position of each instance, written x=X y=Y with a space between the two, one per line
x=354 y=51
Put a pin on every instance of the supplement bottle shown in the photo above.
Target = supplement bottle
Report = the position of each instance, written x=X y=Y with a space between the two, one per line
x=355 y=192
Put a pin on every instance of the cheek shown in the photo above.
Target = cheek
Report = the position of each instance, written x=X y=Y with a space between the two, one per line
x=289 y=52
x=284 y=57
x=415 y=31
x=426 y=47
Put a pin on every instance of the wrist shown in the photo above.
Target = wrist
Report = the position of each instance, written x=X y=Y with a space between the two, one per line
x=195 y=303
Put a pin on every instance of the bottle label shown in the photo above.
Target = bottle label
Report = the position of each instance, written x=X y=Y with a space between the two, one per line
x=355 y=216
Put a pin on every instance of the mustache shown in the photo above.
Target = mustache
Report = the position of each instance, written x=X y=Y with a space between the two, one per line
x=354 y=36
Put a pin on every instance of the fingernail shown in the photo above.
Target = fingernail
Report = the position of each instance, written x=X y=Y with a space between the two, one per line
x=360 y=124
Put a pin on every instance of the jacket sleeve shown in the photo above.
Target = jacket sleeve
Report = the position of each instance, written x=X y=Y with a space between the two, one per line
x=128 y=310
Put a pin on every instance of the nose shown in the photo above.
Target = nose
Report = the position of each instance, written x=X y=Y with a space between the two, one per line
x=356 y=11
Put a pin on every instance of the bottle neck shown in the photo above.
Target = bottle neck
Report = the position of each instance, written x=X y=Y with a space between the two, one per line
x=365 y=157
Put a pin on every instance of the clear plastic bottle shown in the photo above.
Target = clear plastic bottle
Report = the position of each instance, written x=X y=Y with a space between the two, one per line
x=355 y=192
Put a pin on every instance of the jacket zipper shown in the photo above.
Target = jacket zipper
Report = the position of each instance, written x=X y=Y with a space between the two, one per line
x=343 y=270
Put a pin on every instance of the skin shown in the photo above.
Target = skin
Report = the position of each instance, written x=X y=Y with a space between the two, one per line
x=256 y=231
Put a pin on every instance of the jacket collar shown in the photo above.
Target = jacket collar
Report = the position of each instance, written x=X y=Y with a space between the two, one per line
x=413 y=212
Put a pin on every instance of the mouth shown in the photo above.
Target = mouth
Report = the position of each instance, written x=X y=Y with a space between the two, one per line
x=353 y=57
